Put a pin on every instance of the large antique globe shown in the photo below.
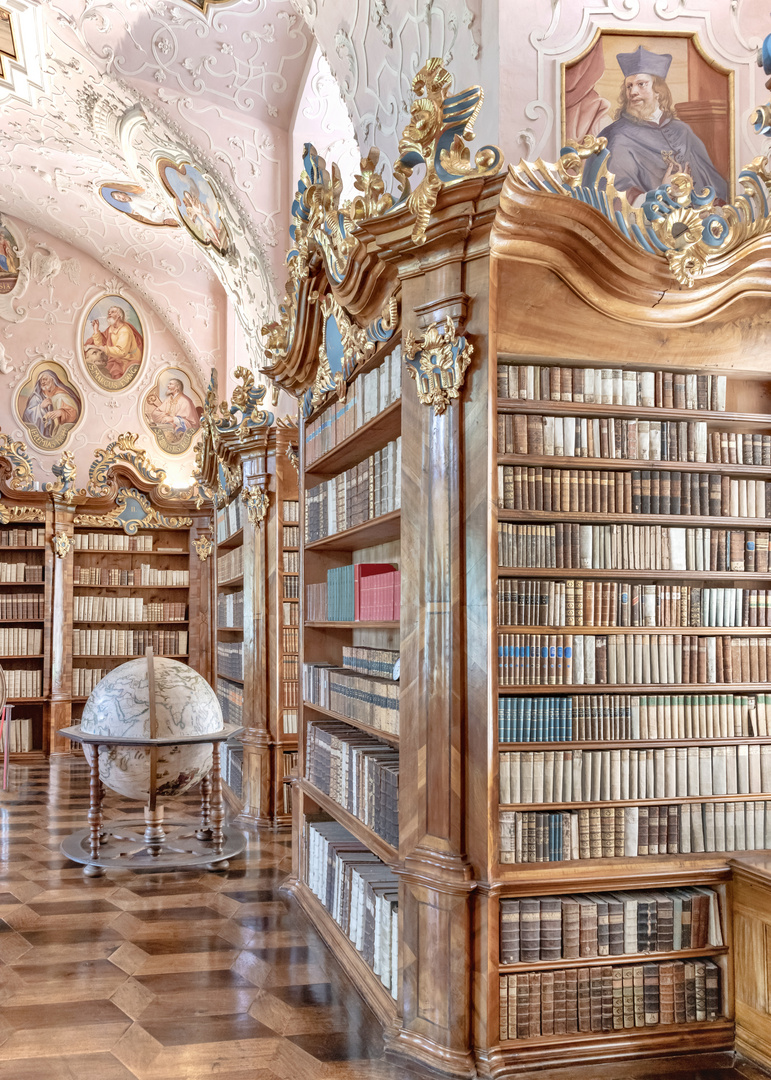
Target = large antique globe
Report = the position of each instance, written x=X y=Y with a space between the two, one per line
x=185 y=705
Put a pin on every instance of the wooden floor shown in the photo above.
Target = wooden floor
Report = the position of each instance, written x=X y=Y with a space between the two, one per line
x=180 y=976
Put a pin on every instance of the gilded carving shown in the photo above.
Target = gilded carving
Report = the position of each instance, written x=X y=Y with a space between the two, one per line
x=133 y=512
x=19 y=513
x=294 y=457
x=203 y=547
x=374 y=200
x=62 y=544
x=438 y=364
x=125 y=451
x=436 y=136
x=354 y=343
x=15 y=453
x=675 y=222
x=256 y=501
x=65 y=473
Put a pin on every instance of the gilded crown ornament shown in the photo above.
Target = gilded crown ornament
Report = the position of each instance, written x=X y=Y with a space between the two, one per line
x=203 y=547
x=438 y=362
x=62 y=544
x=256 y=501
x=65 y=473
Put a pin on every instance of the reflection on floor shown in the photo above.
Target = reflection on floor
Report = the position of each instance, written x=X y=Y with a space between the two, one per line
x=183 y=976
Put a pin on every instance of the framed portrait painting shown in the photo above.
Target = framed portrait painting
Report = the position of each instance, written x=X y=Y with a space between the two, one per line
x=133 y=201
x=663 y=105
x=10 y=260
x=197 y=203
x=113 y=343
x=172 y=410
x=48 y=405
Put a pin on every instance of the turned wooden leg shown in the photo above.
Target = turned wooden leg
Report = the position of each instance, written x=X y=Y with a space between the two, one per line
x=217 y=806
x=204 y=833
x=95 y=815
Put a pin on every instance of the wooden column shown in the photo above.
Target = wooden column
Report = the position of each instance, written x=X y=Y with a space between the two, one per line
x=256 y=738
x=62 y=519
x=437 y=882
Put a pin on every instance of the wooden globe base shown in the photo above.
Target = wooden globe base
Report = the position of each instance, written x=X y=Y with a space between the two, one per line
x=124 y=846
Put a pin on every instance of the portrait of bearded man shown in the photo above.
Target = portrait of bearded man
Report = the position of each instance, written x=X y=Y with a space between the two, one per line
x=647 y=141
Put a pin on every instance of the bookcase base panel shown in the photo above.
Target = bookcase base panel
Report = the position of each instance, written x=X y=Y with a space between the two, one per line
x=667 y=1065
x=605 y=1047
x=406 y=1046
x=362 y=977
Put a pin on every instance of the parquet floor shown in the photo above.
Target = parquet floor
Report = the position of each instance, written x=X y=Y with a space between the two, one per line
x=176 y=976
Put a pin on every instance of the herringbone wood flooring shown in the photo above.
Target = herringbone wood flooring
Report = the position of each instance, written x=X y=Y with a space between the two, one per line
x=174 y=976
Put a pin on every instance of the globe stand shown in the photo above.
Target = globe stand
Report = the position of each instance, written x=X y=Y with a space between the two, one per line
x=154 y=843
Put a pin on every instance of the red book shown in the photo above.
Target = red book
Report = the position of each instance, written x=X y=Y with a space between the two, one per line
x=397 y=594
x=364 y=572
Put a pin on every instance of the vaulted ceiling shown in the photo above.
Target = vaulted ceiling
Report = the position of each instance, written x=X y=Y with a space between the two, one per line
x=102 y=89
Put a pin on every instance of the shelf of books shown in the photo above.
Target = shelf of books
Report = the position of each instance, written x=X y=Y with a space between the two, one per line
x=633 y=740
x=25 y=639
x=349 y=711
x=129 y=593
x=230 y=640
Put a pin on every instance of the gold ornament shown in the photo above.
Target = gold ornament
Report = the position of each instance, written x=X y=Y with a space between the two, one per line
x=62 y=544
x=438 y=364
x=256 y=501
x=203 y=547
x=65 y=473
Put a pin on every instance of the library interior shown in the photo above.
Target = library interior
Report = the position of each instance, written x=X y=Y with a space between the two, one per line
x=366 y=335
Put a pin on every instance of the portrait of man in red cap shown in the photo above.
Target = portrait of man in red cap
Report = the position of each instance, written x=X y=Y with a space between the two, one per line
x=646 y=122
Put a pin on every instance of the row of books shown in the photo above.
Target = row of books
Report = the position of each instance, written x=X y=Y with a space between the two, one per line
x=22 y=606
x=112 y=541
x=105 y=642
x=608 y=998
x=611 y=386
x=290 y=668
x=672 y=772
x=230 y=659
x=230 y=519
x=233 y=766
x=18 y=731
x=230 y=565
x=631 y=659
x=291 y=562
x=290 y=639
x=614 y=832
x=632 y=491
x=365 y=491
x=539 y=602
x=291 y=613
x=592 y=717
x=231 y=698
x=291 y=536
x=289 y=759
x=20 y=683
x=20 y=641
x=286 y=799
x=366 y=397
x=291 y=590
x=629 y=440
x=535 y=929
x=357 y=771
x=22 y=537
x=616 y=438
x=84 y=679
x=633 y=547
x=19 y=571
x=356 y=593
x=291 y=510
x=125 y=609
x=230 y=609
x=142 y=575
x=290 y=695
x=289 y=721
x=368 y=699
x=360 y=893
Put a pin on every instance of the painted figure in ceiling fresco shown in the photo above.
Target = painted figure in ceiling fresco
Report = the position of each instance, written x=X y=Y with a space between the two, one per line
x=49 y=406
x=133 y=201
x=648 y=143
x=114 y=349
x=197 y=203
x=9 y=260
x=171 y=413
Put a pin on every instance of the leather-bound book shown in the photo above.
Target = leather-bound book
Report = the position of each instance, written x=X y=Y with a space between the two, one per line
x=639 y=995
x=547 y=1003
x=679 y=991
x=595 y=999
x=510 y=951
x=523 y=1006
x=529 y=930
x=588 y=939
x=645 y=488
x=606 y=1020
x=700 y=989
x=551 y=928
x=666 y=993
x=571 y=1001
x=712 y=995
x=690 y=991
x=559 y=1003
x=651 y=994
x=627 y=990
x=503 y=1007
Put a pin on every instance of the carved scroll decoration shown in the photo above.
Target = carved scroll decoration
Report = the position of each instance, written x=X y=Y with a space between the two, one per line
x=133 y=512
x=438 y=364
x=203 y=547
x=64 y=485
x=10 y=514
x=62 y=544
x=124 y=450
x=15 y=452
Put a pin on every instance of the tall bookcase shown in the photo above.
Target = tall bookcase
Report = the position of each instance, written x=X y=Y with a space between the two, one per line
x=466 y=274
x=249 y=468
